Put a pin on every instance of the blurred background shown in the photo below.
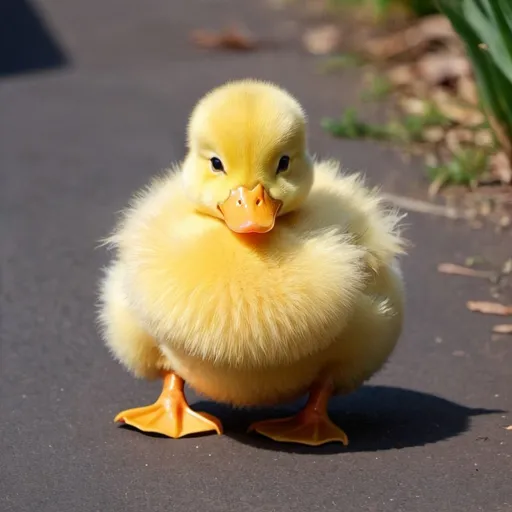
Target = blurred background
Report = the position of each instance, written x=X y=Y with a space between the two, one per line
x=94 y=101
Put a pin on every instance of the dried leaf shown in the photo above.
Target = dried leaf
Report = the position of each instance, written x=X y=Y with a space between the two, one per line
x=459 y=270
x=413 y=106
x=489 y=308
x=428 y=30
x=505 y=221
x=456 y=137
x=452 y=142
x=500 y=167
x=507 y=267
x=321 y=40
x=502 y=329
x=433 y=134
x=484 y=138
x=467 y=90
x=465 y=115
x=436 y=28
x=401 y=75
x=436 y=185
x=501 y=134
x=231 y=38
x=439 y=68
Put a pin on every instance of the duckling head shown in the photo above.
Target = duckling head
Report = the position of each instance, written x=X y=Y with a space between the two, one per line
x=247 y=160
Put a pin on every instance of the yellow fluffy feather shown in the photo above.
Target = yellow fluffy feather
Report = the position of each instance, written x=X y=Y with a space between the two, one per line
x=254 y=319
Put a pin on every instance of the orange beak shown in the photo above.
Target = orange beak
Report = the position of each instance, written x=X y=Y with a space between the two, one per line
x=250 y=211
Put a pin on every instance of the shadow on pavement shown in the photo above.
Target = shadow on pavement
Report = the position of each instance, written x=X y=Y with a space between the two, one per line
x=26 y=43
x=375 y=418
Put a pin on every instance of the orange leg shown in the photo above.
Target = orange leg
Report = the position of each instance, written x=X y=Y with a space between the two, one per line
x=311 y=426
x=170 y=414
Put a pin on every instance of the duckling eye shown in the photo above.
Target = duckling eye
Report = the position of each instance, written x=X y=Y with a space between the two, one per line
x=283 y=164
x=217 y=164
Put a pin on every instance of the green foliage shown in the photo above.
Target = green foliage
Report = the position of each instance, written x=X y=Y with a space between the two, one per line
x=464 y=168
x=485 y=26
x=422 y=7
x=408 y=129
x=378 y=88
x=351 y=127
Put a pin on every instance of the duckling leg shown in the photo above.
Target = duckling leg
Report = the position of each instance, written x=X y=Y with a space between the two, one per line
x=311 y=426
x=170 y=414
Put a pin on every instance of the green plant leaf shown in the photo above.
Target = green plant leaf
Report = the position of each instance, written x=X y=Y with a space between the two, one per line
x=506 y=8
x=495 y=87
x=493 y=35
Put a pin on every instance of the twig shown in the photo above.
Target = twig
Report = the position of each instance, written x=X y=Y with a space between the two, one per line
x=415 y=205
x=451 y=268
x=489 y=308
x=502 y=329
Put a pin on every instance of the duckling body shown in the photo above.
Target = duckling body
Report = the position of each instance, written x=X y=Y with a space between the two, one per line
x=311 y=300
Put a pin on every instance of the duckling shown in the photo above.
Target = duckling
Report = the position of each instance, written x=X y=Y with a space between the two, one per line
x=253 y=272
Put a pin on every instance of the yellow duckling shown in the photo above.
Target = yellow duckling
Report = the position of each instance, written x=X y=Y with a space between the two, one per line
x=253 y=274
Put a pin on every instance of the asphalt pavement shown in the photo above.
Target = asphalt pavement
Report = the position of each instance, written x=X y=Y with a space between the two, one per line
x=94 y=99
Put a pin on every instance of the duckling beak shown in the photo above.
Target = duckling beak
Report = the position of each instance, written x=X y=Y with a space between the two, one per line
x=250 y=211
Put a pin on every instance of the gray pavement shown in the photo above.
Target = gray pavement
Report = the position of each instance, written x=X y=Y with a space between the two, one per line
x=105 y=112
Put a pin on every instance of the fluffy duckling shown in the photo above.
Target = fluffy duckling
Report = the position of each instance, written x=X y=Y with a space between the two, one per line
x=253 y=273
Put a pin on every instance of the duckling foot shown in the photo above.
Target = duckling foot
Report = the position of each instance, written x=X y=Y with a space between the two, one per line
x=311 y=426
x=170 y=414
x=303 y=429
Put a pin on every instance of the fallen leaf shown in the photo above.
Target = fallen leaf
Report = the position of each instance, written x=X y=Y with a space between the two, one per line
x=505 y=221
x=457 y=136
x=485 y=207
x=501 y=134
x=484 y=138
x=502 y=329
x=433 y=134
x=507 y=267
x=465 y=115
x=321 y=40
x=500 y=167
x=436 y=186
x=436 y=27
x=428 y=30
x=459 y=270
x=413 y=106
x=401 y=75
x=231 y=38
x=467 y=89
x=489 y=308
x=439 y=68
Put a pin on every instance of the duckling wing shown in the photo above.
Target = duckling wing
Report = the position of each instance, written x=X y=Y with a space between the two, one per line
x=343 y=201
x=121 y=330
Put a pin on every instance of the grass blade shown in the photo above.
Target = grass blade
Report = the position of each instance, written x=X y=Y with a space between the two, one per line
x=493 y=35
